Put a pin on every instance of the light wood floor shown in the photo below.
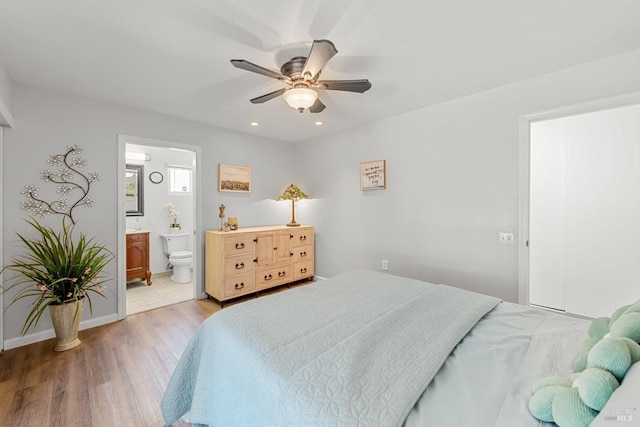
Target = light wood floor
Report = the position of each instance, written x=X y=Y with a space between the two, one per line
x=116 y=377
x=162 y=292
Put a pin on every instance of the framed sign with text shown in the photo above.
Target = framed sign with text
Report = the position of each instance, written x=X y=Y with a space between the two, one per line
x=373 y=175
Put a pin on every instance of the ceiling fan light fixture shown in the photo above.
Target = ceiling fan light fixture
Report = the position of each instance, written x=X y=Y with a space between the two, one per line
x=301 y=74
x=300 y=98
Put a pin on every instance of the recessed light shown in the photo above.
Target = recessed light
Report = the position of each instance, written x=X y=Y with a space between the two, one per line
x=254 y=123
x=318 y=123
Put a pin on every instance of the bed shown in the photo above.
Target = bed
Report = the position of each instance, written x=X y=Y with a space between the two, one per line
x=370 y=349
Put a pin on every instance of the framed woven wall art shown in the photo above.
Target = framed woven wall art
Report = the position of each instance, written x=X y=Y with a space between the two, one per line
x=234 y=179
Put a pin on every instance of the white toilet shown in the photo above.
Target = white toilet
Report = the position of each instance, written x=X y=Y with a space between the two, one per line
x=174 y=246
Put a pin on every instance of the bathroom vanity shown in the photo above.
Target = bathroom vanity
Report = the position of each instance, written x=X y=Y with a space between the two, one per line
x=138 y=266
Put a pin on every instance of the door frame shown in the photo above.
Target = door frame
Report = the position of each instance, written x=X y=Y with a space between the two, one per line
x=1 y=238
x=198 y=289
x=524 y=155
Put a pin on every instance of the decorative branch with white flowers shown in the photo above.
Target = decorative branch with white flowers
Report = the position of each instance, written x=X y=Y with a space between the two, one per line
x=70 y=181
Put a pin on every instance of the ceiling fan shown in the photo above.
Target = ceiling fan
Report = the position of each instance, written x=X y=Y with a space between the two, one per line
x=301 y=75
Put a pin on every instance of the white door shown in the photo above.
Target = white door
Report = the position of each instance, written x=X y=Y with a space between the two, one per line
x=584 y=209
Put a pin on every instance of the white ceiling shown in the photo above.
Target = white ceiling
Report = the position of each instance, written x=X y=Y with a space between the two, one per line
x=172 y=57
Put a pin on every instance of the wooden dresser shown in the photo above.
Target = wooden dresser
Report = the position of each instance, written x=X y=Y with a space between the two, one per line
x=138 y=256
x=249 y=260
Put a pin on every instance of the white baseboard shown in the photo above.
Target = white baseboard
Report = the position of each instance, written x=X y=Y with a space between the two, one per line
x=319 y=278
x=48 y=334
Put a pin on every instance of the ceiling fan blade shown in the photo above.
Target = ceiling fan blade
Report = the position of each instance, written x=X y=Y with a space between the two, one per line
x=268 y=97
x=317 y=106
x=359 y=86
x=250 y=66
x=321 y=52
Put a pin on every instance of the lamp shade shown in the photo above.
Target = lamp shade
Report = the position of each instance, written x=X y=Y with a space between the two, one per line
x=292 y=193
x=300 y=98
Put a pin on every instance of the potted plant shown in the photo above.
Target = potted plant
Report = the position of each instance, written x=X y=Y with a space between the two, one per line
x=174 y=227
x=59 y=273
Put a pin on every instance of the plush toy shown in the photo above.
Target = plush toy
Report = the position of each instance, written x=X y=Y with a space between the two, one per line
x=612 y=346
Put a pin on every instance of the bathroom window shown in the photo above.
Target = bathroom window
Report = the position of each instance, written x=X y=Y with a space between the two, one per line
x=180 y=179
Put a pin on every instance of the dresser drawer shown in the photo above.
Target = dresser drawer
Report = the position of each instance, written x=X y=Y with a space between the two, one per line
x=273 y=276
x=302 y=253
x=240 y=264
x=302 y=269
x=239 y=244
x=137 y=237
x=239 y=285
x=302 y=237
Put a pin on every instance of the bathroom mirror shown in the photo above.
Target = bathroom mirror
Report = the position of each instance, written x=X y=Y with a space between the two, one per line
x=134 y=190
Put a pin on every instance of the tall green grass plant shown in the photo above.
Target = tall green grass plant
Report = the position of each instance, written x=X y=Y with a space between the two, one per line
x=56 y=269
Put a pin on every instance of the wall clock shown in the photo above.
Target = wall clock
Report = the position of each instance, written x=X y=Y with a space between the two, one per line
x=156 y=177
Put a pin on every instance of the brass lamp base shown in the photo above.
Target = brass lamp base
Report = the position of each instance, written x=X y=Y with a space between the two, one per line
x=293 y=222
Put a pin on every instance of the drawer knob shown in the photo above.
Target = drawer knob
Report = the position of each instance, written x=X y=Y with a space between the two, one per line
x=303 y=270
x=303 y=254
x=239 y=266
x=239 y=285
x=268 y=277
x=240 y=245
x=282 y=273
x=303 y=238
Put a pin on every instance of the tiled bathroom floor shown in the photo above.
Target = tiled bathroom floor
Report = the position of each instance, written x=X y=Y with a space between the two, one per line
x=162 y=292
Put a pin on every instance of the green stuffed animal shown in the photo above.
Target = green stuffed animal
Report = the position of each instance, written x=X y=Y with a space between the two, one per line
x=612 y=346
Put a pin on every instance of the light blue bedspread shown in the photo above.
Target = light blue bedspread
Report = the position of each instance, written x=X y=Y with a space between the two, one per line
x=357 y=349
x=487 y=380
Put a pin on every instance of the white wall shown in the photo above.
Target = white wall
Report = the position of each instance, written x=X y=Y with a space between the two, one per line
x=47 y=122
x=452 y=182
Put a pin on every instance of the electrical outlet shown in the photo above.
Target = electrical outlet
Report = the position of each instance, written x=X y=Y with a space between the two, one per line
x=505 y=238
x=385 y=265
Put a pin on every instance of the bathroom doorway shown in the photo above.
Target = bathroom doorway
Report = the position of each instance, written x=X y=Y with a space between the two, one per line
x=159 y=222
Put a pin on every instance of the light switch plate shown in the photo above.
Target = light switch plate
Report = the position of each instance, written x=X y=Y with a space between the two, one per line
x=506 y=238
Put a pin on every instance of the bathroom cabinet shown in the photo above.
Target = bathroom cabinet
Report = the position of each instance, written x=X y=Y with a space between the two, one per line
x=249 y=260
x=138 y=256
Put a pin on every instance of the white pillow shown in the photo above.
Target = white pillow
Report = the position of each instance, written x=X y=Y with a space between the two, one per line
x=623 y=407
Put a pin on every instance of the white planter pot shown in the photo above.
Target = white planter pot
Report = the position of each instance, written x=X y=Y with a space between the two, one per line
x=66 y=323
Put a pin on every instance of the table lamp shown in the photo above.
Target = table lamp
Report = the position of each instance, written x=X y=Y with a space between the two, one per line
x=293 y=193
